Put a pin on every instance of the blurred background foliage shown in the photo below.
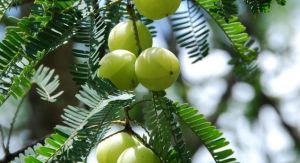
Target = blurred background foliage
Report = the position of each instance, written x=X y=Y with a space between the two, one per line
x=259 y=116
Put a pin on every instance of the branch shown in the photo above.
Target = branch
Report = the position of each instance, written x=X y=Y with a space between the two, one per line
x=2 y=140
x=11 y=156
x=127 y=119
x=12 y=124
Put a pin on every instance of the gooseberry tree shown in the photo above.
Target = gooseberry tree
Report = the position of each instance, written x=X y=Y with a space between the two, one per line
x=114 y=55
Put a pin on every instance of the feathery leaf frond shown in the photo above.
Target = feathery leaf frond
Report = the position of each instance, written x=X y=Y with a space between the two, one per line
x=47 y=82
x=88 y=42
x=191 y=31
x=262 y=6
x=165 y=134
x=25 y=45
x=177 y=136
x=208 y=134
x=29 y=151
x=83 y=128
x=228 y=8
x=235 y=31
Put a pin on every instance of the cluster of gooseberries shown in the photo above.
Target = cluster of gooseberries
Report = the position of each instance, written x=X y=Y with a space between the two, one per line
x=132 y=59
x=124 y=148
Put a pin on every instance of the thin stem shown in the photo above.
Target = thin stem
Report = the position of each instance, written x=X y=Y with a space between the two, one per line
x=127 y=119
x=96 y=11
x=112 y=135
x=137 y=103
x=143 y=127
x=145 y=143
x=131 y=132
x=11 y=156
x=122 y=123
x=131 y=12
x=2 y=140
x=13 y=123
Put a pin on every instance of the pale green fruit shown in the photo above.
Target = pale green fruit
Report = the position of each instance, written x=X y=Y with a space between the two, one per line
x=139 y=154
x=122 y=36
x=109 y=150
x=118 y=67
x=157 y=68
x=157 y=9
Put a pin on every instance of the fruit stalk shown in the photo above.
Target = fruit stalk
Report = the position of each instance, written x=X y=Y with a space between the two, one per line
x=131 y=12
x=127 y=120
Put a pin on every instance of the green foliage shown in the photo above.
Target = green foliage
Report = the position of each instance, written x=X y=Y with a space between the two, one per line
x=52 y=24
x=281 y=2
x=262 y=6
x=47 y=83
x=191 y=31
x=228 y=7
x=29 y=42
x=5 y=5
x=88 y=41
x=165 y=133
x=166 y=137
x=111 y=16
x=28 y=152
x=208 y=134
x=83 y=128
x=235 y=31
x=149 y=24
